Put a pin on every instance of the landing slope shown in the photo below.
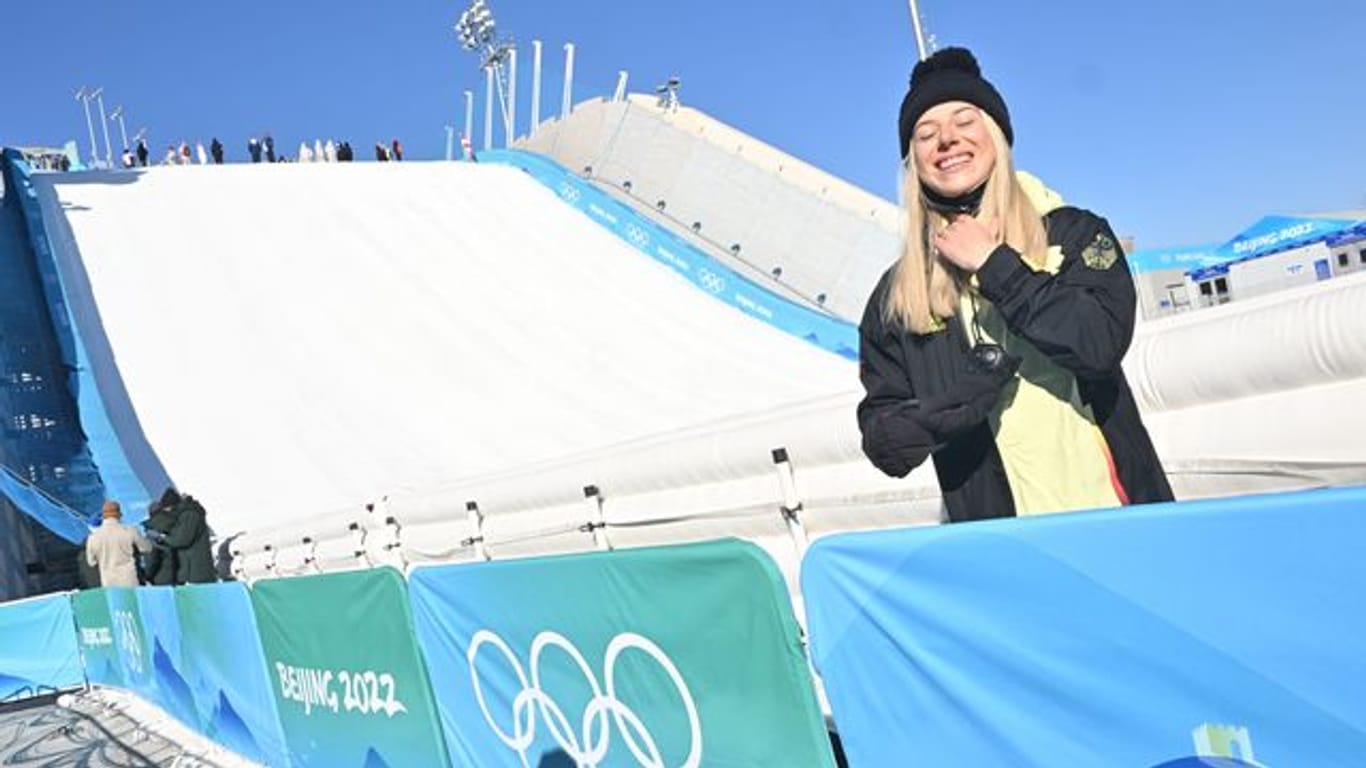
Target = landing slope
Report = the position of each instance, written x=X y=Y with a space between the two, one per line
x=296 y=339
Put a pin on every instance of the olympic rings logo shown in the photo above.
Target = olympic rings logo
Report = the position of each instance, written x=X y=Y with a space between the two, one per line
x=590 y=745
x=569 y=193
x=127 y=630
x=711 y=281
x=638 y=236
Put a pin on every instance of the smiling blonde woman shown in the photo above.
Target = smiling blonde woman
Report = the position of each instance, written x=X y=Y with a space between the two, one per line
x=994 y=343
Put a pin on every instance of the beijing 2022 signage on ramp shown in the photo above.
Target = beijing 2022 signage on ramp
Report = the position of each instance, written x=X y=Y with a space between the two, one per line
x=346 y=672
x=680 y=656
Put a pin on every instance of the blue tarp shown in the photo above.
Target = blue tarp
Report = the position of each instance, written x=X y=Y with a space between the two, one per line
x=128 y=467
x=42 y=443
x=704 y=271
x=56 y=517
x=1132 y=637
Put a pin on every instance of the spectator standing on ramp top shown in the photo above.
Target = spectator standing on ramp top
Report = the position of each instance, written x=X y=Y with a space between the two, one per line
x=142 y=153
x=113 y=548
x=398 y=150
x=994 y=344
x=269 y=144
x=254 y=149
x=216 y=151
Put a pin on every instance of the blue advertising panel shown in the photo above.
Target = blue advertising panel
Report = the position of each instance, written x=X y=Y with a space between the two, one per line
x=161 y=622
x=682 y=656
x=132 y=654
x=1183 y=258
x=38 y=652
x=1226 y=630
x=225 y=671
x=707 y=273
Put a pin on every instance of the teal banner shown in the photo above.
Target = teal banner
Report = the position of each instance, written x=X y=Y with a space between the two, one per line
x=95 y=638
x=225 y=671
x=346 y=673
x=671 y=656
x=132 y=652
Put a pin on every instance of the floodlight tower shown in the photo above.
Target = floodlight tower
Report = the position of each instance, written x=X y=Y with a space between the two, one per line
x=478 y=33
x=919 y=30
x=117 y=114
x=98 y=96
x=83 y=96
x=469 y=116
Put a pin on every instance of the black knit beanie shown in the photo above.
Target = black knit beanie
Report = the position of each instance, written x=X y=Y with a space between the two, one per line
x=950 y=75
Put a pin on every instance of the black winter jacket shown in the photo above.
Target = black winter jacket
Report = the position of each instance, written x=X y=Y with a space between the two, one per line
x=1082 y=318
x=189 y=539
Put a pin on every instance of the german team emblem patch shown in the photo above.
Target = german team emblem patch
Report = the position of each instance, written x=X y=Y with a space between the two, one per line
x=1101 y=253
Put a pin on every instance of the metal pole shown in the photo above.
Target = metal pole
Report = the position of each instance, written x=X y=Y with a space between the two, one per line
x=510 y=131
x=621 y=86
x=84 y=99
x=566 y=106
x=117 y=114
x=104 y=124
x=488 y=108
x=469 y=116
x=450 y=142
x=535 y=85
x=919 y=32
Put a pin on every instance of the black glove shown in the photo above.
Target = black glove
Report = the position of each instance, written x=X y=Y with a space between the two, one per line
x=969 y=402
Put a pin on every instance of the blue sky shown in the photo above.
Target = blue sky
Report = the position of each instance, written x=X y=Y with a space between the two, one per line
x=1182 y=122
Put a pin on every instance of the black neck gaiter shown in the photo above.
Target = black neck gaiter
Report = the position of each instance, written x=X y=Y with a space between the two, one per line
x=967 y=203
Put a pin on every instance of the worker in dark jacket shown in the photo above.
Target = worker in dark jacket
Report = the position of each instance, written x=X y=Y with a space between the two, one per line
x=994 y=344
x=186 y=539
x=189 y=540
x=159 y=565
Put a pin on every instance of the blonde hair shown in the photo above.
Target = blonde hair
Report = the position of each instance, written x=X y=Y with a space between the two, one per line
x=925 y=287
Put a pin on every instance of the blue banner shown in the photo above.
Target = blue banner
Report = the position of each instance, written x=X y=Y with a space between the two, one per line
x=1230 y=630
x=225 y=671
x=680 y=656
x=1184 y=258
x=38 y=652
x=707 y=273
x=132 y=653
x=161 y=624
